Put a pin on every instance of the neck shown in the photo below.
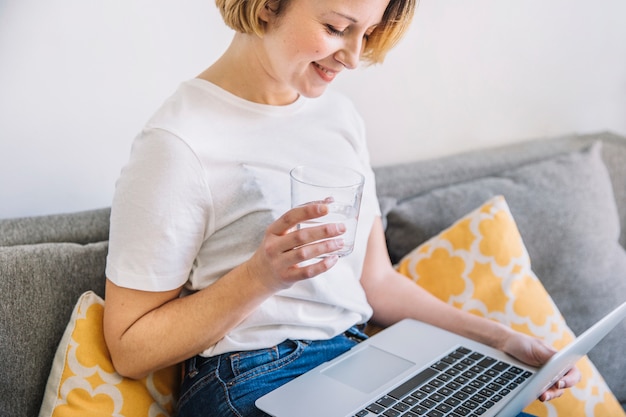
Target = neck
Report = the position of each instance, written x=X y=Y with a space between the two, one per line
x=243 y=70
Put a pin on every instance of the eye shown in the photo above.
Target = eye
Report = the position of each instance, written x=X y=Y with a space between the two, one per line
x=334 y=31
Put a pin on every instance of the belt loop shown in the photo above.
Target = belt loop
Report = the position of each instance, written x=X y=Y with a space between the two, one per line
x=192 y=369
x=355 y=334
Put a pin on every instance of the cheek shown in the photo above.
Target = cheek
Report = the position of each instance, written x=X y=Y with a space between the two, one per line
x=309 y=43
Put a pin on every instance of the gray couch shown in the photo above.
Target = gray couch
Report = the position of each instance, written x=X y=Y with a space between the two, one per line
x=568 y=208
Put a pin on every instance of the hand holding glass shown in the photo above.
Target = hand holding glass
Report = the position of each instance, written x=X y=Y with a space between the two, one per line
x=342 y=187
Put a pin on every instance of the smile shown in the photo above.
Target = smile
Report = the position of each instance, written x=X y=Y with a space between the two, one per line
x=326 y=74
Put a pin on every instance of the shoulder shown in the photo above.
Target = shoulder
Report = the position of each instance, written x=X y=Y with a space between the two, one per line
x=192 y=103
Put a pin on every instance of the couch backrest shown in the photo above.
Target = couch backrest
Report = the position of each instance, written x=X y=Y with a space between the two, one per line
x=407 y=180
x=81 y=227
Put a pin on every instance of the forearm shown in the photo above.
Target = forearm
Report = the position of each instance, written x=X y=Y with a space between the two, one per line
x=394 y=297
x=177 y=328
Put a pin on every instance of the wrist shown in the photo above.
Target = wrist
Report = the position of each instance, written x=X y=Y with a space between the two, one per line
x=499 y=336
x=258 y=278
x=490 y=332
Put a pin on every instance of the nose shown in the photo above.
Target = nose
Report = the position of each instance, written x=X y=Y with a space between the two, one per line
x=350 y=54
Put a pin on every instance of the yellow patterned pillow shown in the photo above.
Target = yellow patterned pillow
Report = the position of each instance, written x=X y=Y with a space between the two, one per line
x=480 y=265
x=83 y=382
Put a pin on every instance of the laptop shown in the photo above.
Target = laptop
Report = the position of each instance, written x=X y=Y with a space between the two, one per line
x=412 y=369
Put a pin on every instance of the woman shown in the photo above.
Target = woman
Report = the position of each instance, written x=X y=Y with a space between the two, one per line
x=205 y=265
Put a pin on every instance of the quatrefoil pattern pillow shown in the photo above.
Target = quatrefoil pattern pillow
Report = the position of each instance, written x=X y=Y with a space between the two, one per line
x=83 y=381
x=480 y=265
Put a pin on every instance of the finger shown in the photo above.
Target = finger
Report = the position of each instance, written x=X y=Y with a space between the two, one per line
x=319 y=248
x=312 y=269
x=571 y=378
x=309 y=235
x=297 y=215
x=549 y=395
x=327 y=200
x=553 y=392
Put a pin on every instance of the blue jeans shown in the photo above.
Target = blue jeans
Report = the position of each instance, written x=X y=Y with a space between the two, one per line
x=227 y=385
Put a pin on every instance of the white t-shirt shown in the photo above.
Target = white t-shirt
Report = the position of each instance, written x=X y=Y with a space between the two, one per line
x=207 y=175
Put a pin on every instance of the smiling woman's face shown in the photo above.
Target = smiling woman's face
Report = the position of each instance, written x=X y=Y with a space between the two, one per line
x=311 y=41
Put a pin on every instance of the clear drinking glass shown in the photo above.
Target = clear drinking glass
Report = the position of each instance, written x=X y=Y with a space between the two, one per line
x=341 y=186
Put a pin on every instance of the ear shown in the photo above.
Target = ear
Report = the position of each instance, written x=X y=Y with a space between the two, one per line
x=269 y=11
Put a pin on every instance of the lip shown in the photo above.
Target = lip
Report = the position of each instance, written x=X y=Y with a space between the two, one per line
x=324 y=72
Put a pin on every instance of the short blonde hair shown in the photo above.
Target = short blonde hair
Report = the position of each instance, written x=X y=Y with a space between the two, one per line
x=243 y=16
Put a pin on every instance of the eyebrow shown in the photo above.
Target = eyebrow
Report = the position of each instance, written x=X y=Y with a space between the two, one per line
x=345 y=16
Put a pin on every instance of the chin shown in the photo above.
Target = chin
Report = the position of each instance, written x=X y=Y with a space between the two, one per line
x=313 y=92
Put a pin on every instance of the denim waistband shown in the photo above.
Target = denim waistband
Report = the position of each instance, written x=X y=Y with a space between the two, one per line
x=354 y=333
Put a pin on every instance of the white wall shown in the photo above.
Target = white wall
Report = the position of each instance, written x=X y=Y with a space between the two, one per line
x=78 y=78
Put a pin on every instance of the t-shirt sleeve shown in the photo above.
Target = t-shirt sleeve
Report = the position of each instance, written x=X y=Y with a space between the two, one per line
x=160 y=215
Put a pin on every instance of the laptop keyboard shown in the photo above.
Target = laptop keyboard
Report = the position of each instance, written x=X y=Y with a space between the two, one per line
x=463 y=383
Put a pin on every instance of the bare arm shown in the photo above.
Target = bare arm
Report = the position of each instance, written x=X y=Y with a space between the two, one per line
x=146 y=331
x=151 y=330
x=394 y=297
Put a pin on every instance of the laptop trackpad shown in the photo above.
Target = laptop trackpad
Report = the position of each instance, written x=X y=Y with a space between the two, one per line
x=367 y=369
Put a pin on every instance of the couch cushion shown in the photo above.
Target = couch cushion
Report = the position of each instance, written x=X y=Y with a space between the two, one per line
x=480 y=265
x=565 y=209
x=39 y=286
